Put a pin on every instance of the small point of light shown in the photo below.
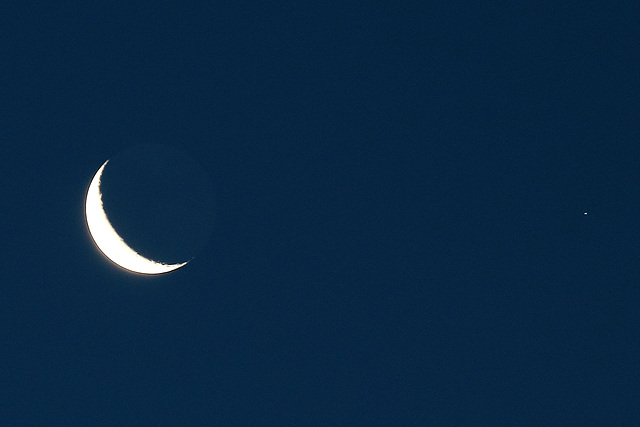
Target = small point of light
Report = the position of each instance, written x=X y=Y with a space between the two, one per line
x=584 y=213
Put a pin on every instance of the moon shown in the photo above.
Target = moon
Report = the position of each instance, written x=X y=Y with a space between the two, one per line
x=109 y=242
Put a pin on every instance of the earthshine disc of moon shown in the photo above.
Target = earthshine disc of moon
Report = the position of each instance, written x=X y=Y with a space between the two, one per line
x=109 y=241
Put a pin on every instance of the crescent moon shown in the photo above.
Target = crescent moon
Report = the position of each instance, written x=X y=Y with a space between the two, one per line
x=109 y=242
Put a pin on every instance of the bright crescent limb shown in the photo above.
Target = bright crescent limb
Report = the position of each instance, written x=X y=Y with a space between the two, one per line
x=109 y=242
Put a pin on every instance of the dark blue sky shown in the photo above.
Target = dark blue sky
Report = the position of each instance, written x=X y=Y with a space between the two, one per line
x=398 y=238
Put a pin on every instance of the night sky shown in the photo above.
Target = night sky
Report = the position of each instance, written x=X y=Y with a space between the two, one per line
x=423 y=213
